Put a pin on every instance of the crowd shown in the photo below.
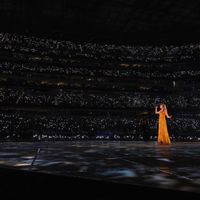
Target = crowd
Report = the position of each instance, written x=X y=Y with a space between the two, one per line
x=27 y=44
x=95 y=99
x=64 y=125
x=43 y=81
x=142 y=72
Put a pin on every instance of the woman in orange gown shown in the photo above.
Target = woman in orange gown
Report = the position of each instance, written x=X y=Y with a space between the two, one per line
x=163 y=135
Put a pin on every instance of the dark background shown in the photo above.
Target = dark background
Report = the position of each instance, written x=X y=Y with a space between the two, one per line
x=76 y=88
x=112 y=21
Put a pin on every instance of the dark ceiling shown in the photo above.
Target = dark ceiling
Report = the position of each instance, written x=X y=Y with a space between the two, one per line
x=105 y=21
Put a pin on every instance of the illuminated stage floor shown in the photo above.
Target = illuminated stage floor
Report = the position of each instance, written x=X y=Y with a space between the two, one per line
x=176 y=166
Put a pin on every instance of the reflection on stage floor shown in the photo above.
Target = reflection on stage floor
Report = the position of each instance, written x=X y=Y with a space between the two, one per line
x=175 y=166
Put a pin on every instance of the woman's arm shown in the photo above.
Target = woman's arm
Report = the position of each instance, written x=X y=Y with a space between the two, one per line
x=156 y=110
x=166 y=114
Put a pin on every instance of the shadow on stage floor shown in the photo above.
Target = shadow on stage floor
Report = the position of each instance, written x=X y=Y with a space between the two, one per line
x=20 y=184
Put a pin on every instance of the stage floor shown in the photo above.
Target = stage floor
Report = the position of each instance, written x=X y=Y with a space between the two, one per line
x=176 y=166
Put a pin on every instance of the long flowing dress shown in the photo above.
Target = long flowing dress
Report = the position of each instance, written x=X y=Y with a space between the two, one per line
x=163 y=135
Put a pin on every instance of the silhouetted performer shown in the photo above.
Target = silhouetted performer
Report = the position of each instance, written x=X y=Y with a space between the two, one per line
x=144 y=129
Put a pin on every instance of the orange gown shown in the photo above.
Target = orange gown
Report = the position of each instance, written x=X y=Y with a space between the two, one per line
x=163 y=135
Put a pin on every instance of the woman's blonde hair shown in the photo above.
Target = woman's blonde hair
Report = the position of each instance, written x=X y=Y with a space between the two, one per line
x=164 y=107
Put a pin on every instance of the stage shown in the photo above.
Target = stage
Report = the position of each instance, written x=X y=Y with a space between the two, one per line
x=176 y=166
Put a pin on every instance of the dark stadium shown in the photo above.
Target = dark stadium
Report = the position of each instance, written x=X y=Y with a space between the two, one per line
x=81 y=83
